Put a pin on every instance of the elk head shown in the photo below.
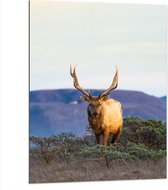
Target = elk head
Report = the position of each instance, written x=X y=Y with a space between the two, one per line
x=95 y=102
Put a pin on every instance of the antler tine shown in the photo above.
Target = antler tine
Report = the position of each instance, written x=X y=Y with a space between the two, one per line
x=71 y=72
x=112 y=86
x=75 y=81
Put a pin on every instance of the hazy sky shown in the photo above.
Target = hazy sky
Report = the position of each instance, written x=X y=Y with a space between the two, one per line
x=96 y=37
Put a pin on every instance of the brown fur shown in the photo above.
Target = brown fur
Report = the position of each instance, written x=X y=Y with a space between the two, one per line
x=108 y=121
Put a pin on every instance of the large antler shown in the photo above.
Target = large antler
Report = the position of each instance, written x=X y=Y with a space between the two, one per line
x=76 y=83
x=113 y=85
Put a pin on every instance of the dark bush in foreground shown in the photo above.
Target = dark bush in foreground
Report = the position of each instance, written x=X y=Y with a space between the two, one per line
x=140 y=139
x=118 y=151
x=151 y=133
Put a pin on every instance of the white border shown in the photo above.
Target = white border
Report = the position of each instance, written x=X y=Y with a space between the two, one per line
x=14 y=105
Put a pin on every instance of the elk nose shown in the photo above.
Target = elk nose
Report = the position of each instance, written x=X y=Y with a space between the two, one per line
x=95 y=114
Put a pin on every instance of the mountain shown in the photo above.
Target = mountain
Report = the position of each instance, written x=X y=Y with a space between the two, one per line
x=56 y=111
x=164 y=98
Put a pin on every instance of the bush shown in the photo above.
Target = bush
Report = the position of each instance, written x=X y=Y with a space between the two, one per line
x=139 y=151
x=118 y=151
x=140 y=139
x=152 y=133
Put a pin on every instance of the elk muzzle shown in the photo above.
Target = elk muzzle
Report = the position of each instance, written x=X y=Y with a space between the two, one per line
x=94 y=109
x=95 y=114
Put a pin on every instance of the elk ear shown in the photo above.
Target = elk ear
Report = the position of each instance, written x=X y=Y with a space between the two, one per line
x=104 y=98
x=85 y=98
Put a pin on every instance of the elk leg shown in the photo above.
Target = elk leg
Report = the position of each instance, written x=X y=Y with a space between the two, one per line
x=105 y=138
x=98 y=138
x=116 y=137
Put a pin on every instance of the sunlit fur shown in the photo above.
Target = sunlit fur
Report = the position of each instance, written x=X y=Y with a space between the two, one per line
x=104 y=115
x=108 y=119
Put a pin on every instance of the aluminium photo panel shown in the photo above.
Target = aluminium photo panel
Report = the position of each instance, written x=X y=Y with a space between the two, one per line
x=97 y=98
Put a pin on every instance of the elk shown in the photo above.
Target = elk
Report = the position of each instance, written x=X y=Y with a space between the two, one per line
x=104 y=113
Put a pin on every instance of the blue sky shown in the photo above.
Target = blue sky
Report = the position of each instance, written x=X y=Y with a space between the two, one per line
x=96 y=37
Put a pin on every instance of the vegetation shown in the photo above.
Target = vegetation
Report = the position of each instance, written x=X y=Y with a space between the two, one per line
x=151 y=133
x=141 y=141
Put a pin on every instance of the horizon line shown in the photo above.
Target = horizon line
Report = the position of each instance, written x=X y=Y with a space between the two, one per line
x=50 y=89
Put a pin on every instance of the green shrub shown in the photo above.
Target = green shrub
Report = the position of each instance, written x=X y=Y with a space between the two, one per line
x=140 y=139
x=118 y=151
x=152 y=133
